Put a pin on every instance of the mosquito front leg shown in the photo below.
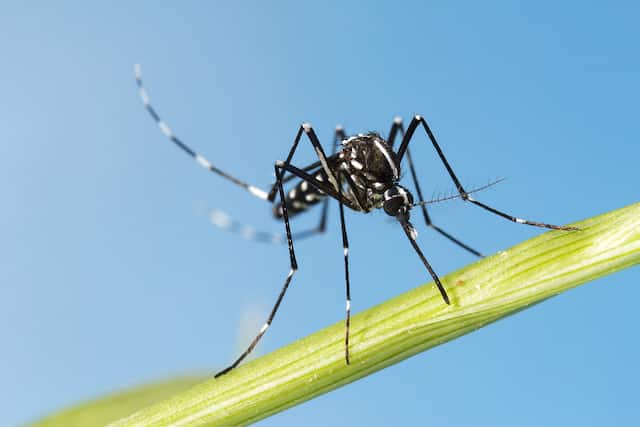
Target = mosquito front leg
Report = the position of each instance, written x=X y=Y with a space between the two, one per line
x=398 y=128
x=419 y=120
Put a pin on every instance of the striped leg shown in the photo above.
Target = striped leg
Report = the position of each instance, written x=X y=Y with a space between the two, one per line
x=306 y=129
x=411 y=235
x=202 y=161
x=338 y=136
x=293 y=268
x=396 y=127
x=345 y=247
x=223 y=220
x=329 y=189
x=404 y=146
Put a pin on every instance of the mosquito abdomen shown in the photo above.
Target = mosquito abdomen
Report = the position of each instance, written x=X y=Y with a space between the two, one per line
x=301 y=197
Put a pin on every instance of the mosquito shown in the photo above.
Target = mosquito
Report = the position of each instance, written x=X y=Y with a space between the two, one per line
x=362 y=175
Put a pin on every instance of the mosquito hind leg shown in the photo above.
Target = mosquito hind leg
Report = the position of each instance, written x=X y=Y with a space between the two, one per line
x=199 y=159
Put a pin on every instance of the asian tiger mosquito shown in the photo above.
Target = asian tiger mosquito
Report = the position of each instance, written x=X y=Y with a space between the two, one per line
x=364 y=175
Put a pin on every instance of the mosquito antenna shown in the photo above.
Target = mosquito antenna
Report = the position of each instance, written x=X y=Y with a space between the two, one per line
x=458 y=196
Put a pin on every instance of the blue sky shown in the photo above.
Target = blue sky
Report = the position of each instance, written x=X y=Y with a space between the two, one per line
x=110 y=274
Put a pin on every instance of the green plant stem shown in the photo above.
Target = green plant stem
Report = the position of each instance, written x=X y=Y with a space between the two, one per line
x=103 y=410
x=481 y=293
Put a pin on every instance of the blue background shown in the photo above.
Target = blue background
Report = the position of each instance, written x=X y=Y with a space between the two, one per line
x=112 y=276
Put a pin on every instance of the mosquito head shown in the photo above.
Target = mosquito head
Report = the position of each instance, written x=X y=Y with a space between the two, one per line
x=397 y=201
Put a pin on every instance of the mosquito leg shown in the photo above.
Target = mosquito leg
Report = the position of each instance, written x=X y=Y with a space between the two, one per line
x=293 y=268
x=338 y=136
x=398 y=127
x=306 y=129
x=322 y=163
x=419 y=120
x=202 y=161
x=331 y=190
x=411 y=235
x=345 y=248
x=345 y=241
x=224 y=221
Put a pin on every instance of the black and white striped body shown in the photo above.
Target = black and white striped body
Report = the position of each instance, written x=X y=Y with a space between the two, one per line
x=366 y=168
x=302 y=197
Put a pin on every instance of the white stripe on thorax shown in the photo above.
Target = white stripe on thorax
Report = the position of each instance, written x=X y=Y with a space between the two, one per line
x=388 y=157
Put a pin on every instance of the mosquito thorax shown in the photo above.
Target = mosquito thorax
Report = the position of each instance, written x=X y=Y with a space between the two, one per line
x=370 y=162
x=397 y=200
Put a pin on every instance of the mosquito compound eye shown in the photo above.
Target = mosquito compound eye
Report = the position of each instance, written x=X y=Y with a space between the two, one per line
x=392 y=205
x=397 y=199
